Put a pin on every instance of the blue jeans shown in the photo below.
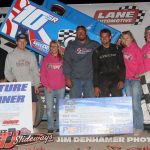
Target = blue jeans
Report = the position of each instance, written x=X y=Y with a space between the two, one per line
x=133 y=88
x=49 y=97
x=80 y=87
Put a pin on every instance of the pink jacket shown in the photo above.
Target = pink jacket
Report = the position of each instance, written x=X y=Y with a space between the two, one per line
x=146 y=56
x=133 y=61
x=51 y=72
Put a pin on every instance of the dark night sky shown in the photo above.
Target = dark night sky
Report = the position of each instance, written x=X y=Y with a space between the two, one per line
x=7 y=3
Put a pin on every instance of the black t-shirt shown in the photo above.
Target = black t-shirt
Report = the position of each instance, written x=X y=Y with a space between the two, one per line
x=108 y=64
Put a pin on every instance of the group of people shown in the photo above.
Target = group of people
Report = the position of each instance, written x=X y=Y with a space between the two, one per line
x=88 y=68
x=104 y=70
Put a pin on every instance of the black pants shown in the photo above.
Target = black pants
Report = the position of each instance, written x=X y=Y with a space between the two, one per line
x=110 y=88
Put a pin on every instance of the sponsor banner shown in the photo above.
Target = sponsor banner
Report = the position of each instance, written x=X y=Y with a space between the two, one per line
x=95 y=116
x=121 y=16
x=16 y=106
x=102 y=139
x=21 y=140
x=12 y=138
x=116 y=16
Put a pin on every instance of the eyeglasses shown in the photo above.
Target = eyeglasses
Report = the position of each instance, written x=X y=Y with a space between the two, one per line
x=53 y=46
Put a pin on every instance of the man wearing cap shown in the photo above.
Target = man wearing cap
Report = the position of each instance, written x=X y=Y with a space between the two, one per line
x=21 y=65
x=146 y=49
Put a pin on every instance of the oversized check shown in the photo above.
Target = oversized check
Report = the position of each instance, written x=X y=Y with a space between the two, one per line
x=16 y=106
x=94 y=116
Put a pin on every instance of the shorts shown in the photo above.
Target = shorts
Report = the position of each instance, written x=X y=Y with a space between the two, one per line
x=34 y=96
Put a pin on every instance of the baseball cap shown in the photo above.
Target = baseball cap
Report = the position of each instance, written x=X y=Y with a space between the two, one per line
x=21 y=36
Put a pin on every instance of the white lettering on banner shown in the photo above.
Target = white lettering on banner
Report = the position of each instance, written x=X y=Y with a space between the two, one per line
x=64 y=139
x=120 y=14
x=117 y=21
x=130 y=14
x=40 y=45
x=34 y=18
x=102 y=139
x=116 y=15
x=138 y=139
x=25 y=13
x=99 y=139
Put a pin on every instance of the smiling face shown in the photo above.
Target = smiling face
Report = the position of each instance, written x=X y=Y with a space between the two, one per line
x=54 y=49
x=127 y=38
x=81 y=34
x=21 y=44
x=105 y=39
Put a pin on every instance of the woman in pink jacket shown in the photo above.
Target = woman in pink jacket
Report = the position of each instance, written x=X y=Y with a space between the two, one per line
x=134 y=67
x=53 y=80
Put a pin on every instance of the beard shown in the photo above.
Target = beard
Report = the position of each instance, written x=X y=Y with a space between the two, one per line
x=82 y=38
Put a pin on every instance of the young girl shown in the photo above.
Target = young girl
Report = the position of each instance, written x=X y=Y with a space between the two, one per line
x=53 y=80
x=134 y=67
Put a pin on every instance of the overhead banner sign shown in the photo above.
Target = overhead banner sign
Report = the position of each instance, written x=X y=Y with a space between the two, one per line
x=121 y=16
x=16 y=106
x=96 y=116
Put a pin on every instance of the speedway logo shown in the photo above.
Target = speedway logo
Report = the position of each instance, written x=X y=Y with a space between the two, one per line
x=125 y=15
x=11 y=138
x=38 y=45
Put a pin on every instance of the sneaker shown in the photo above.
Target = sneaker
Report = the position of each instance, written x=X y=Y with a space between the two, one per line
x=50 y=131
